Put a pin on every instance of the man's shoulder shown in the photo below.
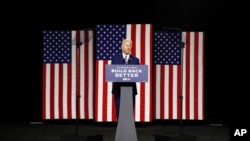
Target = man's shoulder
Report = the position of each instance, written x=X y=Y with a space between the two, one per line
x=116 y=58
x=134 y=57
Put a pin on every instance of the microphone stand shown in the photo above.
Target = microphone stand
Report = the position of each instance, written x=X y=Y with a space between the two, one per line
x=181 y=97
x=181 y=136
x=173 y=29
x=76 y=137
x=78 y=96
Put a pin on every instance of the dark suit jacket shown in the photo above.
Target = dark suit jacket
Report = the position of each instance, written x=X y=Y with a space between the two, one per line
x=118 y=59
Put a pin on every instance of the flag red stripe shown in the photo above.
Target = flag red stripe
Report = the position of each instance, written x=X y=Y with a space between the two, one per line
x=202 y=76
x=60 y=96
x=196 y=72
x=142 y=58
x=162 y=97
x=96 y=89
x=77 y=74
x=151 y=70
x=69 y=92
x=105 y=95
x=179 y=92
x=187 y=87
x=44 y=91
x=170 y=101
x=52 y=89
x=154 y=90
x=113 y=109
x=86 y=76
x=133 y=38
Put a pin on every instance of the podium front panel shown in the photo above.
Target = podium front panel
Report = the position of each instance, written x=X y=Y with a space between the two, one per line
x=126 y=73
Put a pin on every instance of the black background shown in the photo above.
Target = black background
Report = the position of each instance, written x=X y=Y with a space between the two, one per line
x=224 y=24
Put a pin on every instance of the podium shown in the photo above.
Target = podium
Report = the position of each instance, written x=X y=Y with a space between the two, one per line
x=126 y=126
x=126 y=130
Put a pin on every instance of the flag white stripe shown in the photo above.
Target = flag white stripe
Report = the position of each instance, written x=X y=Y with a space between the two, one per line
x=192 y=55
x=65 y=90
x=147 y=84
x=138 y=54
x=200 y=76
x=56 y=91
x=158 y=86
x=166 y=96
x=175 y=90
x=128 y=31
x=184 y=66
x=47 y=90
x=109 y=103
x=91 y=74
x=82 y=76
x=109 y=98
x=100 y=90
x=73 y=80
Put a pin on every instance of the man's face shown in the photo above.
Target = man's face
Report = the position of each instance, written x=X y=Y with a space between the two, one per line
x=126 y=48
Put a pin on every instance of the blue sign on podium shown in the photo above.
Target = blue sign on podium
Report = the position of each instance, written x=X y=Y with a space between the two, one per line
x=127 y=73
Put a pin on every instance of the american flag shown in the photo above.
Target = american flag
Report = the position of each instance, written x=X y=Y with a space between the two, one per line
x=108 y=43
x=179 y=75
x=67 y=74
x=167 y=48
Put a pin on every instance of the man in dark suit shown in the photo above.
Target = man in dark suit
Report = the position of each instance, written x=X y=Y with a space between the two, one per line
x=124 y=57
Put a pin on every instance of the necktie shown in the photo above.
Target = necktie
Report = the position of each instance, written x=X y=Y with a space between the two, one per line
x=126 y=59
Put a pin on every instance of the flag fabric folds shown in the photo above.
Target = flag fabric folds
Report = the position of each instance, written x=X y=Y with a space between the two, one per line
x=67 y=74
x=108 y=43
x=179 y=76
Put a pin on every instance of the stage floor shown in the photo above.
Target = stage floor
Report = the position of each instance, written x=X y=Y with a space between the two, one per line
x=40 y=131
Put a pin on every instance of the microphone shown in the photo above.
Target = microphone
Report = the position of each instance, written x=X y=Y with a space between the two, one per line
x=79 y=43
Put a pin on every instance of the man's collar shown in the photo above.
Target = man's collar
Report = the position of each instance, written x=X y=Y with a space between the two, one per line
x=123 y=54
